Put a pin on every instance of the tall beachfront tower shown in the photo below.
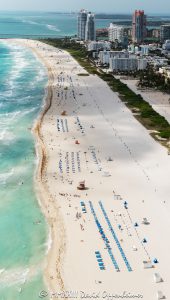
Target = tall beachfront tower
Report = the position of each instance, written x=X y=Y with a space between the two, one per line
x=138 y=26
x=82 y=20
x=90 y=34
x=86 y=26
x=165 y=33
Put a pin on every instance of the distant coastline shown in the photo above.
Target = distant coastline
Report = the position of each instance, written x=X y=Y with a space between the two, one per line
x=39 y=25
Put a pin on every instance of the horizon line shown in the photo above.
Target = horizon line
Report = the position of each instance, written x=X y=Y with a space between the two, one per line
x=77 y=11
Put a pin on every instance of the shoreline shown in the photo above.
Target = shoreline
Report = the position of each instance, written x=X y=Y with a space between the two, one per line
x=37 y=166
x=81 y=137
x=42 y=189
x=45 y=200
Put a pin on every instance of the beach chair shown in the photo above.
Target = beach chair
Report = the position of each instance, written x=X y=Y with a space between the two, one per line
x=147 y=264
x=160 y=295
x=145 y=221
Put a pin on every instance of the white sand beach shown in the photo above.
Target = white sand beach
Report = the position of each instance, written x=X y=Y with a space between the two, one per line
x=119 y=161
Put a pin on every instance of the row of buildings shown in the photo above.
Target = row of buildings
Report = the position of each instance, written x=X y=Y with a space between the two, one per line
x=119 y=33
x=134 y=58
x=139 y=31
x=121 y=61
x=87 y=30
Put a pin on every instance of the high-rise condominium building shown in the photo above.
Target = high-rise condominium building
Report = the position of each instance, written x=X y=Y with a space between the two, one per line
x=138 y=26
x=90 y=34
x=86 y=26
x=165 y=33
x=117 y=33
x=82 y=20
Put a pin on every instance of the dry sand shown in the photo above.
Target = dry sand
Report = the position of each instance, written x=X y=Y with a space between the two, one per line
x=139 y=174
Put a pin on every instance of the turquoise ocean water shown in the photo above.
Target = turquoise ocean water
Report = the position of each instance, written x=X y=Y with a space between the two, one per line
x=23 y=231
x=36 y=24
x=50 y=24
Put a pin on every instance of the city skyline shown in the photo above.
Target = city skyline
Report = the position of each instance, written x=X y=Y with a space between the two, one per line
x=108 y=6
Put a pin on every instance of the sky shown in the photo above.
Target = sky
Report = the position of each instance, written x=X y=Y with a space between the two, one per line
x=111 y=6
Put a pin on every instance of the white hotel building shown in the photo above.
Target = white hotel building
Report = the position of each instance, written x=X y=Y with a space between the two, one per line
x=104 y=56
x=127 y=64
x=116 y=33
x=123 y=64
x=98 y=46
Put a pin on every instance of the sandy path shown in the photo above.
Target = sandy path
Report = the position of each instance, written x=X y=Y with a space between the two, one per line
x=158 y=100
